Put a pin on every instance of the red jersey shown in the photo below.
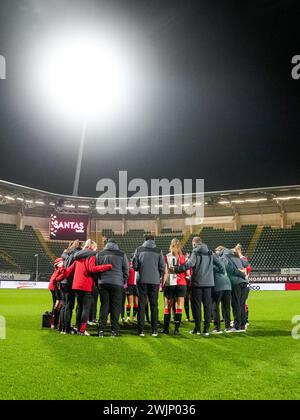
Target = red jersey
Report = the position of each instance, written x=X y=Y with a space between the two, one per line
x=132 y=276
x=248 y=269
x=181 y=278
x=176 y=279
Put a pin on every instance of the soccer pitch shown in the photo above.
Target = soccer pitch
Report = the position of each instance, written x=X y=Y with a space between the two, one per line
x=42 y=364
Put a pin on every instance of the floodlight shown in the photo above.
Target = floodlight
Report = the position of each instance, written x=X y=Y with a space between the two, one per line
x=83 y=75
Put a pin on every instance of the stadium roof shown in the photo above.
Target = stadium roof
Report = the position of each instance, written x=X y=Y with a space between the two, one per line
x=16 y=198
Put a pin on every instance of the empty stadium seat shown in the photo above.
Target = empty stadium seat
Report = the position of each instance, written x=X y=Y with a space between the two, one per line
x=57 y=247
x=277 y=248
x=135 y=238
x=21 y=246
x=214 y=237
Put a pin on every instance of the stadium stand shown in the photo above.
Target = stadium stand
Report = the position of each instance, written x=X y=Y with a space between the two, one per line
x=229 y=238
x=269 y=249
x=21 y=246
x=57 y=247
x=277 y=248
x=170 y=231
x=6 y=265
x=135 y=237
x=129 y=242
x=266 y=221
x=163 y=242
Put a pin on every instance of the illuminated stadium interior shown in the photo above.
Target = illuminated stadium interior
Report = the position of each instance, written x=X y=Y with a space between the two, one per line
x=263 y=220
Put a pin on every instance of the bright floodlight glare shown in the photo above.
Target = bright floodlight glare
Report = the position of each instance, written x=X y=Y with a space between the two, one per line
x=84 y=76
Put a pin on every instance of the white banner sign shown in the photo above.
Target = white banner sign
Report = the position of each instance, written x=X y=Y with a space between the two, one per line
x=273 y=278
x=14 y=276
x=267 y=286
x=23 y=285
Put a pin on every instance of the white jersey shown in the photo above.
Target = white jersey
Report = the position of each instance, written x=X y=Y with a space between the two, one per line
x=171 y=261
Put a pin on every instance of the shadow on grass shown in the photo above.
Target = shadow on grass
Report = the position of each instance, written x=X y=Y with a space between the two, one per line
x=266 y=329
x=138 y=348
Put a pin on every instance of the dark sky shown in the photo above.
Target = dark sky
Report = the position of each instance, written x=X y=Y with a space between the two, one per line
x=225 y=107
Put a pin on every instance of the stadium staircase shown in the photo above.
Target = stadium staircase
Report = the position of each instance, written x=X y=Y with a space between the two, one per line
x=253 y=243
x=186 y=244
x=57 y=247
x=7 y=262
x=98 y=238
x=186 y=240
x=44 y=244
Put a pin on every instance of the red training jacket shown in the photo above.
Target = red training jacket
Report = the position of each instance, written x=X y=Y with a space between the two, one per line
x=57 y=276
x=83 y=270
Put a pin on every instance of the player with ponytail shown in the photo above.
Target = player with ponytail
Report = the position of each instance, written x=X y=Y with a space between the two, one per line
x=174 y=286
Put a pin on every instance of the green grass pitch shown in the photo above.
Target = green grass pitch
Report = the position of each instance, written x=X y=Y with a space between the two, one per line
x=42 y=364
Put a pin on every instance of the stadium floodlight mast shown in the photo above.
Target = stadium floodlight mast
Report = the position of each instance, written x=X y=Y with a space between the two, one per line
x=79 y=158
x=85 y=76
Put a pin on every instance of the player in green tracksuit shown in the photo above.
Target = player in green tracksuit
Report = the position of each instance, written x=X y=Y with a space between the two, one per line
x=236 y=270
x=221 y=293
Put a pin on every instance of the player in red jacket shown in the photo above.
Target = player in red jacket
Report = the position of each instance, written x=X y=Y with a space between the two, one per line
x=132 y=293
x=174 y=286
x=83 y=268
x=54 y=288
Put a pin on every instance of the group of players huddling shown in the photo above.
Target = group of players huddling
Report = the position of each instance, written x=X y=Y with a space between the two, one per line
x=204 y=278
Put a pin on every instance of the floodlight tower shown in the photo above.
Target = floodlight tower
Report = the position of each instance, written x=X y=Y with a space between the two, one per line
x=79 y=158
x=84 y=76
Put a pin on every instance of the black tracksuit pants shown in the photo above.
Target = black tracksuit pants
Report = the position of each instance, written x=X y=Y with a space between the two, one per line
x=84 y=300
x=94 y=305
x=53 y=300
x=239 y=297
x=223 y=297
x=68 y=303
x=187 y=300
x=123 y=304
x=201 y=295
x=148 y=292
x=56 y=313
x=111 y=297
x=246 y=308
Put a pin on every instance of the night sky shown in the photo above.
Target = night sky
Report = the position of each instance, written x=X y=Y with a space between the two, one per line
x=221 y=104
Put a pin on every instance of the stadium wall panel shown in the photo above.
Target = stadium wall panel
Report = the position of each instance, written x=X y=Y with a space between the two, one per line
x=272 y=219
x=174 y=224
x=114 y=225
x=292 y=218
x=36 y=222
x=10 y=219
x=223 y=222
x=147 y=225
